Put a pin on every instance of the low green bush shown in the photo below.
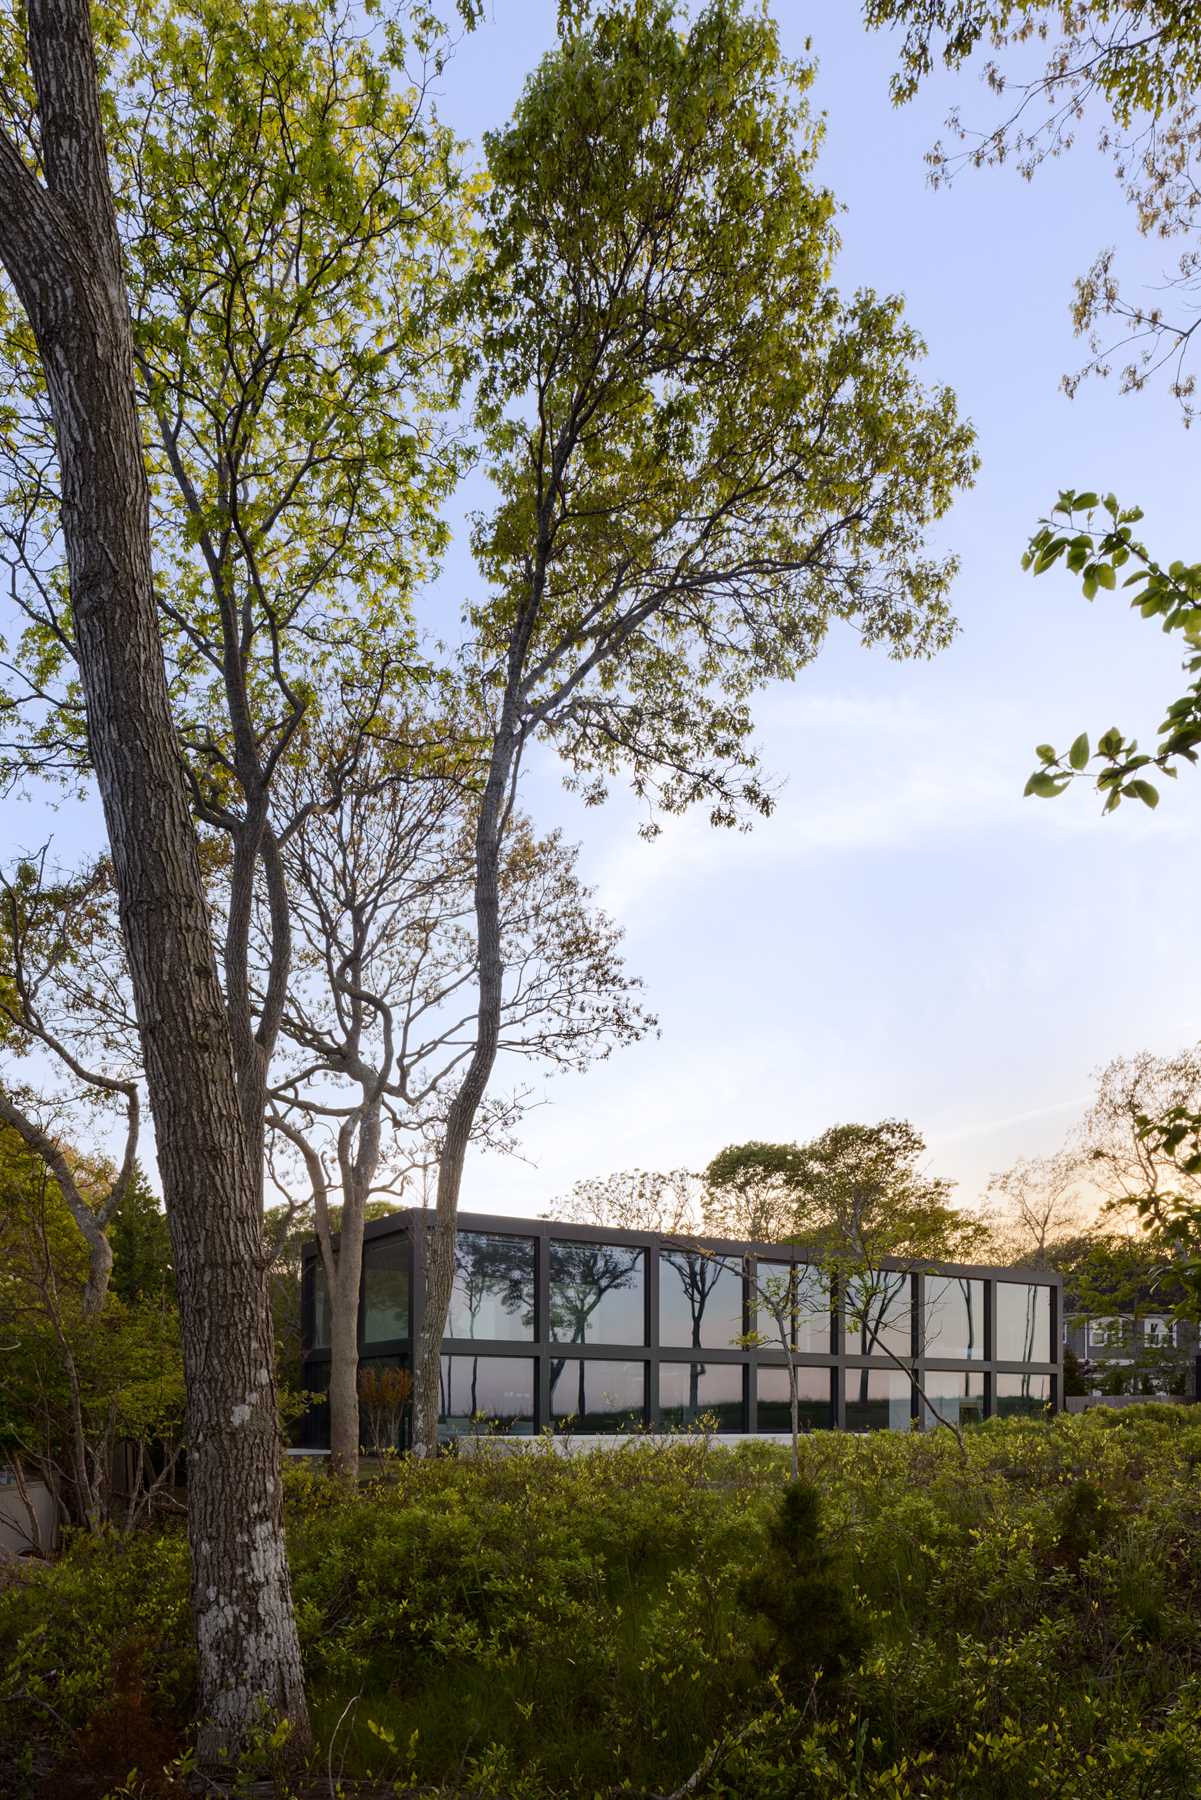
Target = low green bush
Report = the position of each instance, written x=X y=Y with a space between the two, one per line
x=906 y=1623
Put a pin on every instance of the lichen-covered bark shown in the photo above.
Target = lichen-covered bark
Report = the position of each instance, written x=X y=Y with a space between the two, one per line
x=58 y=241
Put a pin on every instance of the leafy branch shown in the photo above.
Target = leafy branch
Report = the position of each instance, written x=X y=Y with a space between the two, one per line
x=1096 y=549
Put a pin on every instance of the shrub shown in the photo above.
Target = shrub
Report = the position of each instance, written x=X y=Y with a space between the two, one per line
x=801 y=1592
x=1022 y=1623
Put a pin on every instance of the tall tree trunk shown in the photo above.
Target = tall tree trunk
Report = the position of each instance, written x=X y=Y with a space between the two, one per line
x=440 y=1234
x=794 y=1417
x=344 y=1379
x=344 y=1347
x=60 y=246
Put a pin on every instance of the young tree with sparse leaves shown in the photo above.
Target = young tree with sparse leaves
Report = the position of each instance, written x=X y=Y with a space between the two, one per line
x=63 y=994
x=855 y=1198
x=377 y=1022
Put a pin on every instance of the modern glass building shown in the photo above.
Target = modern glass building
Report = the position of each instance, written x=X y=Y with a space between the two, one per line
x=575 y=1327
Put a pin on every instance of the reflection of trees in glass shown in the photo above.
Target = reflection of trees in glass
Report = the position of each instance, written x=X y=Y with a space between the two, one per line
x=880 y=1392
x=582 y=1277
x=610 y=1396
x=489 y=1266
x=959 y=1396
x=1025 y=1393
x=386 y=1290
x=873 y=1314
x=873 y=1310
x=788 y=1296
x=699 y=1275
x=722 y=1396
x=1023 y=1314
x=320 y=1307
x=793 y=1297
x=484 y=1373
x=963 y=1296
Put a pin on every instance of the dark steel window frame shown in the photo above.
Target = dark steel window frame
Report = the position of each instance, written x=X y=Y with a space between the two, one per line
x=544 y=1350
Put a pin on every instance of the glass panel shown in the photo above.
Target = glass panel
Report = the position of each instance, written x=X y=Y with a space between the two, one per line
x=486 y=1394
x=493 y=1294
x=954 y=1316
x=320 y=1307
x=958 y=1397
x=779 y=1283
x=877 y=1400
x=385 y=1395
x=815 y=1410
x=1021 y=1395
x=1023 y=1322
x=314 y=1426
x=879 y=1314
x=597 y=1293
x=700 y=1300
x=385 y=1289
x=686 y=1390
x=598 y=1396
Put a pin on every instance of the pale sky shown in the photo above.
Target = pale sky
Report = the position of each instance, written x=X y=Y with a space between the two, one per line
x=906 y=936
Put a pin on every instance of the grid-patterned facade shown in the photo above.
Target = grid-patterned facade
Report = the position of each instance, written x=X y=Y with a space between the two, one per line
x=589 y=1330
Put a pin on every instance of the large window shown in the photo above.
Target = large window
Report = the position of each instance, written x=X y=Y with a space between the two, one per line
x=879 y=1314
x=1016 y=1395
x=1023 y=1322
x=793 y=1293
x=385 y=1397
x=953 y=1317
x=314 y=1426
x=958 y=1397
x=814 y=1399
x=385 y=1289
x=597 y=1293
x=493 y=1294
x=700 y=1300
x=689 y=1390
x=878 y=1400
x=487 y=1394
x=597 y=1396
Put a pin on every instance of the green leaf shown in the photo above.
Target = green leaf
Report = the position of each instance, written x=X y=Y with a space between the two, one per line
x=1106 y=575
x=1084 y=502
x=1080 y=752
x=1143 y=790
x=1045 y=786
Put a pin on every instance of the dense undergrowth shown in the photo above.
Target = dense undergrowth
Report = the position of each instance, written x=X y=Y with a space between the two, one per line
x=1025 y=1622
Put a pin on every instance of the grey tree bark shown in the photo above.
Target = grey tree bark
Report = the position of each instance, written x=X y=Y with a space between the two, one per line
x=60 y=246
x=342 y=1267
x=440 y=1242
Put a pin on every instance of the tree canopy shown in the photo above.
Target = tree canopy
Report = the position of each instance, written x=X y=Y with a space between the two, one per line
x=1138 y=67
x=855 y=1194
